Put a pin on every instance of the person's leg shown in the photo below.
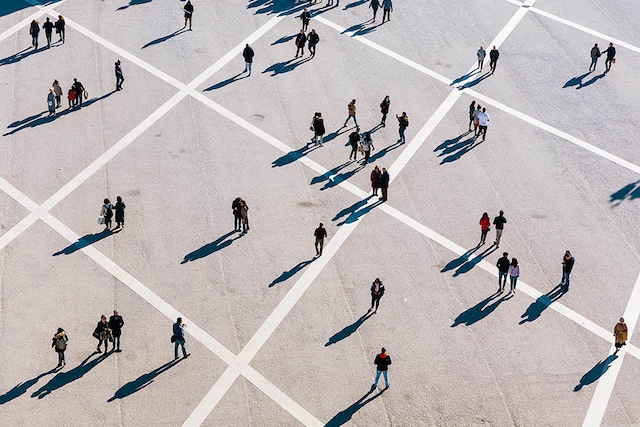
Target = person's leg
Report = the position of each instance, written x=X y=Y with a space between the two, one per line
x=319 y=139
x=321 y=245
x=375 y=383
x=317 y=246
x=513 y=283
x=60 y=358
x=566 y=280
x=355 y=120
x=386 y=378
x=498 y=236
x=366 y=156
x=116 y=342
x=184 y=349
x=175 y=349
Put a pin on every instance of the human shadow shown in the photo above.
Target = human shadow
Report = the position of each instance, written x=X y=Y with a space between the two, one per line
x=290 y=273
x=341 y=177
x=465 y=77
x=457 y=148
x=328 y=174
x=63 y=378
x=455 y=263
x=470 y=263
x=345 y=415
x=19 y=56
x=591 y=81
x=543 y=302
x=479 y=311
x=22 y=388
x=284 y=39
x=348 y=330
x=381 y=153
x=333 y=135
x=628 y=192
x=84 y=241
x=134 y=3
x=226 y=82
x=286 y=66
x=164 y=38
x=292 y=156
x=355 y=211
x=475 y=81
x=206 y=250
x=354 y=28
x=575 y=81
x=276 y=6
x=354 y=4
x=142 y=381
x=596 y=372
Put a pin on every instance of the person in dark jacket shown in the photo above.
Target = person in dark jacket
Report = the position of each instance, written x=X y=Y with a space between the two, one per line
x=188 y=14
x=116 y=323
x=611 y=54
x=178 y=337
x=317 y=126
x=567 y=265
x=59 y=343
x=34 y=30
x=503 y=268
x=377 y=291
x=375 y=180
x=382 y=362
x=301 y=40
x=595 y=54
x=387 y=8
x=493 y=59
x=48 y=31
x=499 y=222
x=248 y=54
x=60 y=28
x=120 y=206
x=236 y=207
x=384 y=109
x=375 y=5
x=384 y=184
x=102 y=333
x=354 y=140
x=403 y=124
x=305 y=17
x=79 y=90
x=119 y=75
x=313 y=39
x=320 y=234
x=472 y=110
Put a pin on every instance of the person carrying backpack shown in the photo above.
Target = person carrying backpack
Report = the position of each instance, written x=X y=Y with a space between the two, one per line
x=403 y=123
x=107 y=213
x=59 y=343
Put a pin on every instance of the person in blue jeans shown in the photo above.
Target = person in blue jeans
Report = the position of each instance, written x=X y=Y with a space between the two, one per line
x=514 y=273
x=178 y=334
x=382 y=362
x=567 y=266
x=503 y=270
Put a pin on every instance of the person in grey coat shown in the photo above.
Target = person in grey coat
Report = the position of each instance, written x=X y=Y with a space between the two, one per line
x=51 y=102
x=481 y=55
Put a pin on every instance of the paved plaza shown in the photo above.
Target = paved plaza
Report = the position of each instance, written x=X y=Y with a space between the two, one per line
x=277 y=335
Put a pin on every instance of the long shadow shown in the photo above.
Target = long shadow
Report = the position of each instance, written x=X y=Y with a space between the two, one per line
x=575 y=81
x=591 y=81
x=284 y=39
x=341 y=177
x=64 y=378
x=348 y=330
x=285 y=66
x=380 y=154
x=22 y=388
x=467 y=266
x=327 y=175
x=206 y=250
x=345 y=415
x=355 y=211
x=596 y=372
x=543 y=302
x=355 y=4
x=226 y=82
x=463 y=78
x=19 y=56
x=462 y=148
x=164 y=38
x=142 y=381
x=292 y=156
x=333 y=135
x=290 y=273
x=479 y=311
x=134 y=3
x=628 y=192
x=366 y=30
x=475 y=81
x=355 y=27
x=455 y=263
x=84 y=241
x=281 y=7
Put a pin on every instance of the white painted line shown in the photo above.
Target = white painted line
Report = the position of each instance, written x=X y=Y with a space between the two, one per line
x=211 y=399
x=26 y=21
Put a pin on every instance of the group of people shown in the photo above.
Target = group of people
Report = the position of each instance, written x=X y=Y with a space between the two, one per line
x=494 y=54
x=485 y=226
x=310 y=40
x=75 y=95
x=595 y=54
x=240 y=215
x=48 y=27
x=478 y=120
x=109 y=332
x=106 y=213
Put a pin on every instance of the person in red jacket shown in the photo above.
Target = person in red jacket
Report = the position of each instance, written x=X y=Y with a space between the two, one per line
x=375 y=180
x=485 y=223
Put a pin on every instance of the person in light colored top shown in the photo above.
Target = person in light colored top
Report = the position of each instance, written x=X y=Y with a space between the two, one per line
x=514 y=273
x=483 y=121
x=481 y=55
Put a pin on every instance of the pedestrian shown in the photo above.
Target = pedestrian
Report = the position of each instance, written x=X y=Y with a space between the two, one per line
x=503 y=270
x=476 y=124
x=367 y=146
x=611 y=57
x=620 y=332
x=116 y=322
x=60 y=28
x=236 y=208
x=375 y=179
x=384 y=184
x=377 y=291
x=317 y=126
x=248 y=54
x=567 y=265
x=80 y=92
x=34 y=30
x=481 y=54
x=244 y=211
x=493 y=59
x=375 y=4
x=403 y=124
x=320 y=234
x=48 y=31
x=103 y=334
x=119 y=76
x=178 y=338
x=119 y=207
x=483 y=122
x=59 y=343
x=71 y=96
x=51 y=102
x=472 y=110
x=354 y=140
x=499 y=222
x=107 y=213
x=387 y=8
x=305 y=17
x=301 y=39
x=57 y=91
x=188 y=14
x=382 y=362
x=384 y=109
x=313 y=39
x=595 y=54
x=485 y=226
x=351 y=108
x=514 y=273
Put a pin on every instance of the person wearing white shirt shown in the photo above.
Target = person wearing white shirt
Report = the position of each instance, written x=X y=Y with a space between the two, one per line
x=514 y=273
x=483 y=120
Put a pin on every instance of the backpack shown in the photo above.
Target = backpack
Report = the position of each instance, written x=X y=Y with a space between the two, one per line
x=109 y=213
x=405 y=122
x=61 y=344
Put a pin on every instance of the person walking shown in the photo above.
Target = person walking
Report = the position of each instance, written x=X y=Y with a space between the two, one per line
x=305 y=17
x=248 y=54
x=375 y=4
x=499 y=222
x=313 y=40
x=493 y=59
x=51 y=102
x=472 y=110
x=188 y=14
x=119 y=208
x=116 y=322
x=483 y=122
x=611 y=57
x=119 y=76
x=79 y=89
x=384 y=109
x=244 y=211
x=476 y=125
x=485 y=226
x=107 y=213
x=57 y=91
x=367 y=146
x=48 y=31
x=514 y=273
x=354 y=140
x=60 y=28
x=317 y=126
x=481 y=55
x=375 y=179
x=595 y=54
x=620 y=332
x=103 y=334
x=236 y=208
x=384 y=184
x=403 y=124
x=382 y=362
x=503 y=265
x=34 y=30
x=301 y=40
x=351 y=108
x=377 y=291
x=567 y=265
x=387 y=8
x=320 y=235
x=59 y=343
x=71 y=97
x=178 y=338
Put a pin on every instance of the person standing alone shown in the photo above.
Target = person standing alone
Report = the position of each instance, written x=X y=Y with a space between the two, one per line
x=493 y=59
x=248 y=54
x=236 y=207
x=116 y=323
x=351 y=108
x=320 y=235
x=382 y=362
x=403 y=124
x=188 y=14
x=305 y=17
x=59 y=343
x=178 y=338
x=377 y=291
x=567 y=265
x=384 y=109
x=620 y=332
x=499 y=222
x=119 y=76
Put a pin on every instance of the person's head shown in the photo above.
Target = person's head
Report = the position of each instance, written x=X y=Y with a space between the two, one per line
x=505 y=254
x=119 y=199
x=301 y=31
x=479 y=107
x=473 y=102
x=51 y=90
x=115 y=312
x=103 y=318
x=386 y=98
x=567 y=254
x=118 y=62
x=319 y=115
x=106 y=201
x=514 y=262
x=353 y=101
x=621 y=321
x=383 y=170
x=305 y=9
x=75 y=80
x=383 y=350
x=247 y=45
x=377 y=168
x=595 y=45
x=610 y=44
x=313 y=31
x=62 y=330
x=321 y=225
x=367 y=136
x=494 y=48
x=55 y=82
x=404 y=114
x=485 y=215
x=47 y=19
x=60 y=17
x=501 y=213
x=484 y=110
x=179 y=321
x=481 y=47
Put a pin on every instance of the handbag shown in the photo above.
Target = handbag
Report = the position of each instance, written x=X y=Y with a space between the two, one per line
x=86 y=94
x=613 y=60
x=173 y=338
x=100 y=220
x=96 y=335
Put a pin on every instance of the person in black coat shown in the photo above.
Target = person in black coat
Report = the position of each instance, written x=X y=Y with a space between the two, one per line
x=301 y=40
x=611 y=54
x=247 y=54
x=60 y=28
x=354 y=140
x=236 y=207
x=317 y=126
x=305 y=17
x=493 y=59
x=34 y=30
x=102 y=333
x=377 y=291
x=119 y=75
x=116 y=322
x=384 y=109
x=384 y=184
x=79 y=90
x=119 y=212
x=188 y=14
x=314 y=38
x=48 y=31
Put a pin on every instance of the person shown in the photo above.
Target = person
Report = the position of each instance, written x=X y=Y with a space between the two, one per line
x=34 y=30
x=57 y=91
x=51 y=102
x=403 y=124
x=567 y=265
x=483 y=122
x=382 y=362
x=188 y=14
x=367 y=146
x=48 y=31
x=620 y=332
x=375 y=4
x=313 y=39
x=103 y=334
x=178 y=338
x=305 y=17
x=317 y=126
x=375 y=179
x=384 y=109
x=244 y=211
x=248 y=54
x=77 y=86
x=354 y=140
x=472 y=110
x=611 y=57
x=71 y=97
x=476 y=125
x=493 y=59
x=387 y=8
x=351 y=108
x=301 y=39
x=595 y=54
x=377 y=291
x=485 y=224
x=481 y=54
x=514 y=273
x=107 y=213
x=60 y=28
x=120 y=206
x=384 y=184
x=499 y=222
x=59 y=343
x=236 y=208
x=320 y=234
x=115 y=324
x=119 y=76
x=503 y=269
